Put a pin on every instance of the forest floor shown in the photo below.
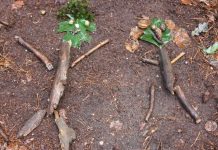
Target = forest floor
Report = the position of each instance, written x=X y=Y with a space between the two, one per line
x=111 y=86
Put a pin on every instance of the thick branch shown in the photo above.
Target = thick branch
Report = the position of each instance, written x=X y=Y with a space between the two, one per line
x=167 y=70
x=38 y=54
x=60 y=77
x=32 y=123
x=66 y=134
x=186 y=104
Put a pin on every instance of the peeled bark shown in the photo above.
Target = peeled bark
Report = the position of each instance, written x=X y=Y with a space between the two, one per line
x=66 y=134
x=32 y=123
x=60 y=77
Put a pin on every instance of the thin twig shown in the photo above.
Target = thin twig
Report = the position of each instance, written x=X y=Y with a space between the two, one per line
x=4 y=23
x=89 y=52
x=199 y=133
x=2 y=133
x=38 y=54
x=150 y=61
x=178 y=57
x=151 y=103
x=186 y=104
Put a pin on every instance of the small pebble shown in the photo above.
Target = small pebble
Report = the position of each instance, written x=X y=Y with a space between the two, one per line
x=210 y=126
x=186 y=62
x=179 y=130
x=101 y=143
x=42 y=12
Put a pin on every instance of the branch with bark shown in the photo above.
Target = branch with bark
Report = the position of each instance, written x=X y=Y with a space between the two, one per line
x=60 y=77
x=38 y=54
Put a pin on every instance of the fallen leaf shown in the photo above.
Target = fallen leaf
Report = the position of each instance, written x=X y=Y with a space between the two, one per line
x=211 y=18
x=135 y=33
x=186 y=2
x=144 y=23
x=132 y=45
x=202 y=27
x=17 y=4
x=181 y=38
x=212 y=49
x=170 y=24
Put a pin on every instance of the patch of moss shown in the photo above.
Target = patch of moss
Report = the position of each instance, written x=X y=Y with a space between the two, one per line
x=78 y=9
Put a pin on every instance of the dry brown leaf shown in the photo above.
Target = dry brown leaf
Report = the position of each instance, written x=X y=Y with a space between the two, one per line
x=144 y=23
x=170 y=24
x=17 y=4
x=132 y=45
x=216 y=56
x=186 y=2
x=135 y=33
x=181 y=38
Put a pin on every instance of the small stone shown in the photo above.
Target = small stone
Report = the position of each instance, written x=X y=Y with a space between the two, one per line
x=42 y=12
x=186 y=62
x=179 y=130
x=117 y=125
x=210 y=126
x=101 y=143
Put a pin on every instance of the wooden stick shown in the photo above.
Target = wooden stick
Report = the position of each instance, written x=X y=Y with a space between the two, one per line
x=32 y=123
x=186 y=104
x=4 y=23
x=150 y=61
x=167 y=71
x=178 y=57
x=60 y=77
x=156 y=63
x=151 y=103
x=2 y=133
x=38 y=54
x=89 y=52
x=66 y=134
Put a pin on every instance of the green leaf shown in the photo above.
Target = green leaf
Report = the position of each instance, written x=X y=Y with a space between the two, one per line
x=91 y=27
x=166 y=36
x=148 y=36
x=65 y=26
x=212 y=49
x=77 y=32
x=67 y=36
x=76 y=41
x=84 y=36
x=157 y=22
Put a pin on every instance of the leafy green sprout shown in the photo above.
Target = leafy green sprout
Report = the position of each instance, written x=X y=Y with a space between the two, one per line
x=76 y=30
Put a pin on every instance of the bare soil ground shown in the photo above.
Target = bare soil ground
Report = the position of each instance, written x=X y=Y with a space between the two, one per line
x=110 y=85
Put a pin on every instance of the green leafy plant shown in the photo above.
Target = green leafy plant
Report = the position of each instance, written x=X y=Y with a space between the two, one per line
x=149 y=34
x=77 y=31
x=212 y=49
x=78 y=22
x=78 y=9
